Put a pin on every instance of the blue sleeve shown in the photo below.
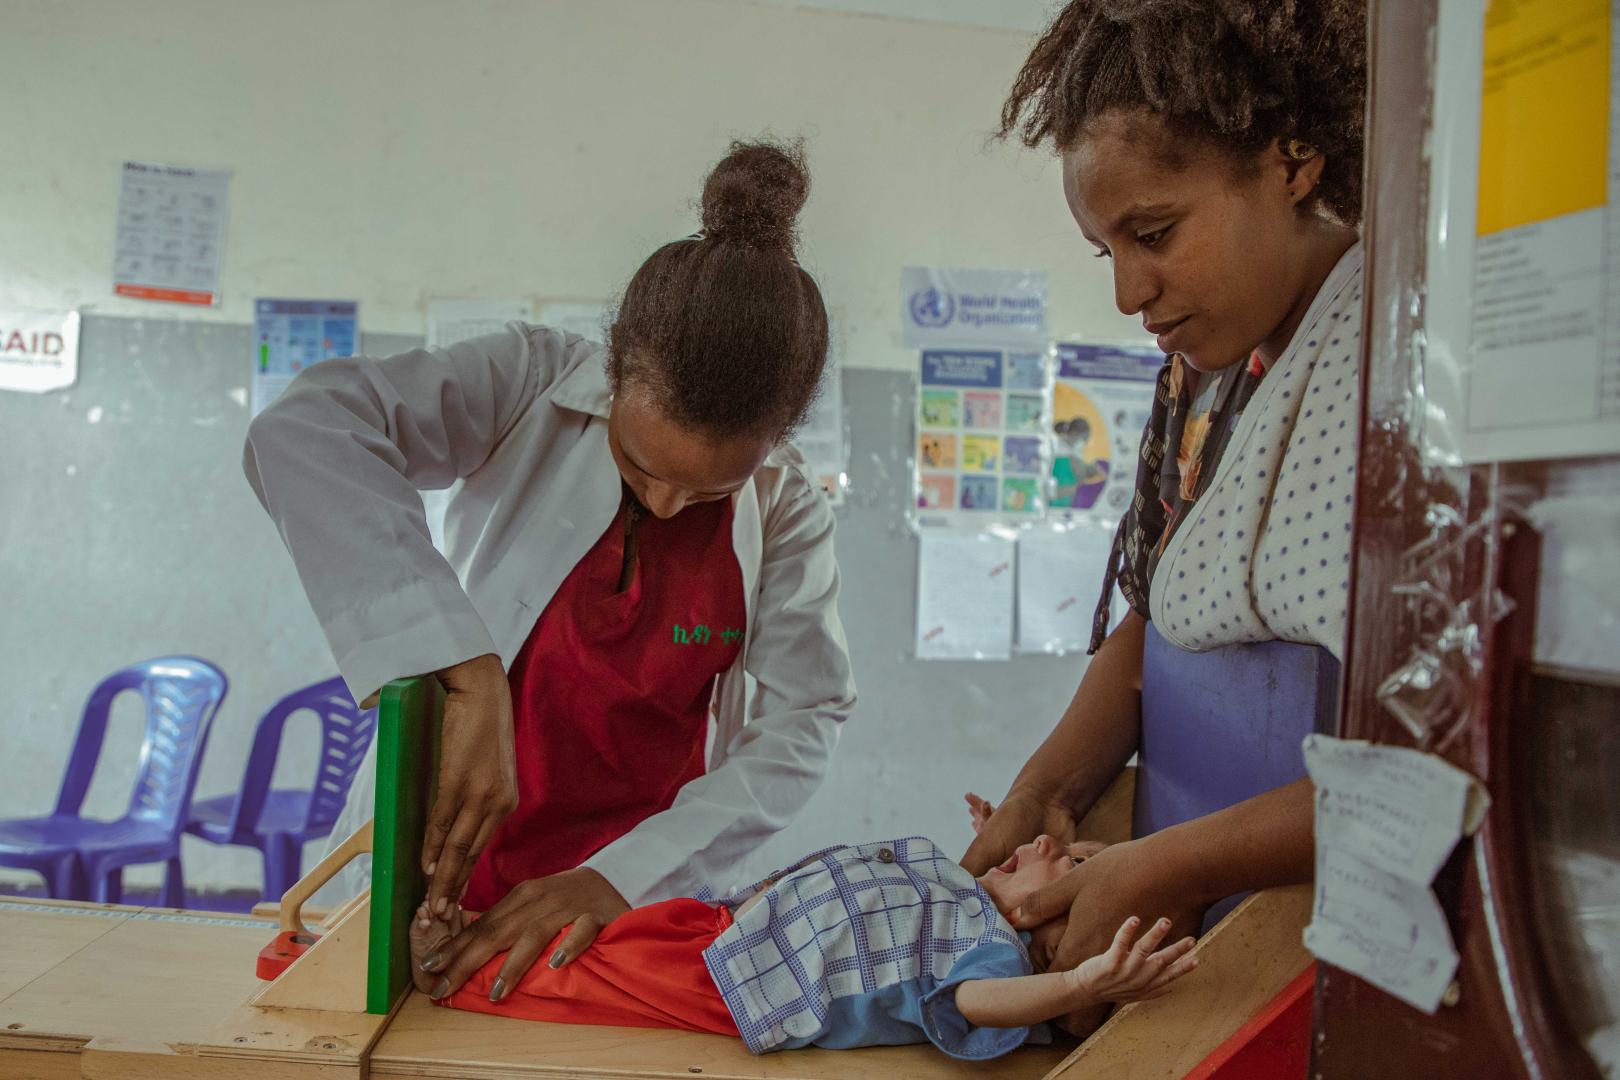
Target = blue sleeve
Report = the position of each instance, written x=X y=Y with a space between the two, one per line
x=945 y=1025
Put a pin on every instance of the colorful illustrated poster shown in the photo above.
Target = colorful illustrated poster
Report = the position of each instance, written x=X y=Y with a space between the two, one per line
x=1101 y=398
x=290 y=335
x=981 y=437
x=171 y=233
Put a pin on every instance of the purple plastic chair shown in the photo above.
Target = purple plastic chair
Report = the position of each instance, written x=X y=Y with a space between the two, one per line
x=279 y=822
x=1226 y=725
x=84 y=859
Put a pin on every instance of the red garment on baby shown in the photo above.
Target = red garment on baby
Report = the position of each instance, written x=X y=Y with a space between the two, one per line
x=610 y=693
x=645 y=969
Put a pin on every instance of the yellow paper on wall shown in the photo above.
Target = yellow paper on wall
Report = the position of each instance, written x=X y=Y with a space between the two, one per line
x=1544 y=111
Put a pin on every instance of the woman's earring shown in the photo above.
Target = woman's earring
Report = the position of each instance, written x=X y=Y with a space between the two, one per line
x=1299 y=149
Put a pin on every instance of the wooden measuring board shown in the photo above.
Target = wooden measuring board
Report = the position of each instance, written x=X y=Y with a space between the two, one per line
x=72 y=974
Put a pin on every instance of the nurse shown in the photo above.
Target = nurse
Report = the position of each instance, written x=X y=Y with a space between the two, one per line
x=632 y=537
x=1213 y=152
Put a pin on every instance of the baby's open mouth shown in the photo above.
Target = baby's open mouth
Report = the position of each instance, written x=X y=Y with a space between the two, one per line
x=1010 y=865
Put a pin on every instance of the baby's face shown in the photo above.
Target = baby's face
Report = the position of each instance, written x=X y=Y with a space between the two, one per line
x=1034 y=866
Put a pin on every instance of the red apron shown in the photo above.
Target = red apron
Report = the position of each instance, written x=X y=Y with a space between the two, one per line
x=610 y=694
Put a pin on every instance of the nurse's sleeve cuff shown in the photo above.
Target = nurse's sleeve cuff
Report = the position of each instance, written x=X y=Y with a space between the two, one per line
x=944 y=1023
x=421 y=628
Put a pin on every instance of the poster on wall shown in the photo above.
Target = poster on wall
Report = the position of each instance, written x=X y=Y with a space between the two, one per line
x=822 y=438
x=1101 y=398
x=981 y=443
x=171 y=233
x=1522 y=314
x=39 y=350
x=945 y=307
x=291 y=335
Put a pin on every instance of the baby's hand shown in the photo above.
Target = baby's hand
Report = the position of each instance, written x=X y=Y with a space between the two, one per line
x=980 y=809
x=1132 y=970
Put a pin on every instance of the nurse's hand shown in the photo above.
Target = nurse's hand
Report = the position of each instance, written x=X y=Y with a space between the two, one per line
x=523 y=923
x=477 y=776
x=1096 y=897
x=1021 y=817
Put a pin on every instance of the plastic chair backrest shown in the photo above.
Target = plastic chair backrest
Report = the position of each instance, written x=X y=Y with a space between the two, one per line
x=345 y=733
x=1226 y=725
x=182 y=695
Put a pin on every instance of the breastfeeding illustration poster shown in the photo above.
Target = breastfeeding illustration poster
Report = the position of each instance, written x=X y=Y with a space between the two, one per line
x=1101 y=398
x=981 y=438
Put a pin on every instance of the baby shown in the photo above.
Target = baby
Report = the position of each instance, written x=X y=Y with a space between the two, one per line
x=866 y=945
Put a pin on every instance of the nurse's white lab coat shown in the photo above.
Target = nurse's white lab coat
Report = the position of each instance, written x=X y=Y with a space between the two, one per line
x=521 y=418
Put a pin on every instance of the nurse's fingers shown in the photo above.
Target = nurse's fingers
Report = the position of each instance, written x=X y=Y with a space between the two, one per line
x=519 y=959
x=464 y=954
x=1048 y=903
x=577 y=940
x=450 y=848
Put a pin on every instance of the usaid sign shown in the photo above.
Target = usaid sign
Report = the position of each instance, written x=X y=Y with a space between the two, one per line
x=942 y=306
x=39 y=350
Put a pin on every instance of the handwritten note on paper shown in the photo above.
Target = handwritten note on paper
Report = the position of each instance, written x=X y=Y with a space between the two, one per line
x=964 y=596
x=1387 y=818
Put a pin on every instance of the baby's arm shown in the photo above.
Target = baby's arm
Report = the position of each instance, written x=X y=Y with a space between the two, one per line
x=1129 y=971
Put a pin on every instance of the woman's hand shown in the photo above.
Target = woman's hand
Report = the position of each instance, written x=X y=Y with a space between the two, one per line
x=1021 y=817
x=477 y=776
x=522 y=924
x=1099 y=895
x=1131 y=969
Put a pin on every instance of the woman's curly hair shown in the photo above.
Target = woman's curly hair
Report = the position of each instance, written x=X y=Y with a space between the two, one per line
x=1234 y=74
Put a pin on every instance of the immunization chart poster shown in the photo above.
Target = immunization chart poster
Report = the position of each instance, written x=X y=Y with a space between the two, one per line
x=171 y=233
x=290 y=335
x=981 y=438
x=1101 y=398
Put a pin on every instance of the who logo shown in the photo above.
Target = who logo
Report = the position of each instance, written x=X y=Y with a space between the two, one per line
x=932 y=307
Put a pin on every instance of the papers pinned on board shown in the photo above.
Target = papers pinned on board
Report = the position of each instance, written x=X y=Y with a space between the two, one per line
x=1387 y=818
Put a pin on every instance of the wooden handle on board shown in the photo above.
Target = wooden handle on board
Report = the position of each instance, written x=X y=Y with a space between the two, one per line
x=292 y=901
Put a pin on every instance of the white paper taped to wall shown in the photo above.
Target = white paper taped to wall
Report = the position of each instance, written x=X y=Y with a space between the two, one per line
x=964 y=596
x=1060 y=575
x=449 y=321
x=1387 y=818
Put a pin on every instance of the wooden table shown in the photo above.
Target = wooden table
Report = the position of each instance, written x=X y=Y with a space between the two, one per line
x=103 y=992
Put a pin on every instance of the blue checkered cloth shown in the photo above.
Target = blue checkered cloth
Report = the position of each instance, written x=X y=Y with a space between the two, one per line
x=864 y=946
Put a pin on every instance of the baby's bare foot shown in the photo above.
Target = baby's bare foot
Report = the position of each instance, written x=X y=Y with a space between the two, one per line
x=428 y=935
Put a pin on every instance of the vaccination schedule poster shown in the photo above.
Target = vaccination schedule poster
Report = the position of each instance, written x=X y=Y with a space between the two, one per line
x=981 y=437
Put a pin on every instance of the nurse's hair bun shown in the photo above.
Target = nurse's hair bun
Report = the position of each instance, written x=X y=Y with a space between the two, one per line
x=754 y=195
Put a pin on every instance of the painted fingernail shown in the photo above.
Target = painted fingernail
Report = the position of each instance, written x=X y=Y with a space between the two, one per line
x=557 y=959
x=432 y=866
x=431 y=961
x=440 y=988
x=497 y=991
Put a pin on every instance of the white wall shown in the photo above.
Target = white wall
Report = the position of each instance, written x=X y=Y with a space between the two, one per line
x=392 y=152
